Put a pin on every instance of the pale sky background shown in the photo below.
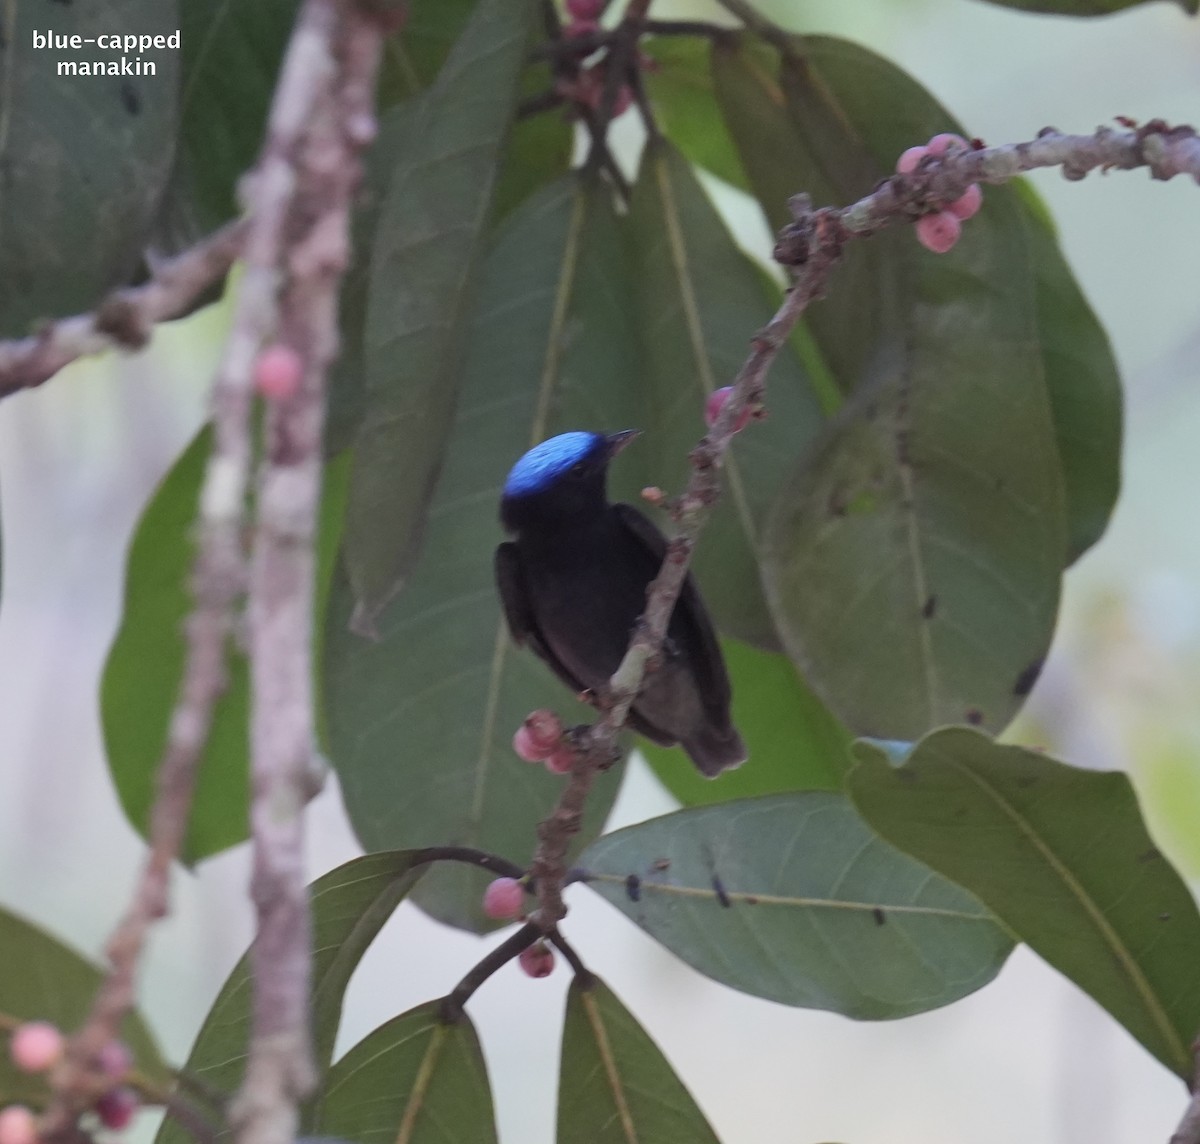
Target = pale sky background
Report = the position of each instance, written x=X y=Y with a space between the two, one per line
x=1028 y=1058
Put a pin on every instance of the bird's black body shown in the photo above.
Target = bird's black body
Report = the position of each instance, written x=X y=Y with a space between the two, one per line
x=573 y=584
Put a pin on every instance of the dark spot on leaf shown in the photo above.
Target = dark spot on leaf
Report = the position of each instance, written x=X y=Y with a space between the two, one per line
x=929 y=608
x=130 y=100
x=719 y=890
x=633 y=888
x=1151 y=855
x=1164 y=917
x=1027 y=678
x=750 y=900
x=974 y=716
x=877 y=914
x=1026 y=781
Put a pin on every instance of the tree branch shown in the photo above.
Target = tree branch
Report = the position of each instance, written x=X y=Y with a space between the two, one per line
x=301 y=196
x=125 y=319
x=812 y=245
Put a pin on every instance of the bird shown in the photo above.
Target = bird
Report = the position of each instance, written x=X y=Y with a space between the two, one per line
x=573 y=582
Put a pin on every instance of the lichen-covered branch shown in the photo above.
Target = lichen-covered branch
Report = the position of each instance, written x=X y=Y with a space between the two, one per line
x=812 y=245
x=125 y=319
x=321 y=118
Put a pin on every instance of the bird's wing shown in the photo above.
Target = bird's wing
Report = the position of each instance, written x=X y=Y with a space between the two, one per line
x=691 y=615
x=518 y=611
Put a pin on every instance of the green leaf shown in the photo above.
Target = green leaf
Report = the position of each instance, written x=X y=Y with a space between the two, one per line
x=85 y=158
x=615 y=1086
x=44 y=980
x=427 y=242
x=421 y=721
x=1086 y=7
x=856 y=326
x=681 y=90
x=414 y=1080
x=793 y=740
x=414 y=56
x=699 y=302
x=347 y=375
x=1062 y=857
x=142 y=673
x=1083 y=382
x=349 y=907
x=231 y=55
x=914 y=559
x=792 y=898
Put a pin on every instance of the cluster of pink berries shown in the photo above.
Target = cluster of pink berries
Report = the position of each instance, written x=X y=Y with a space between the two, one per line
x=940 y=231
x=504 y=899
x=277 y=372
x=36 y=1047
x=540 y=740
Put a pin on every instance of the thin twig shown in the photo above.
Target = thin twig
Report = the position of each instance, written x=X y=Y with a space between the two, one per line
x=301 y=194
x=812 y=245
x=125 y=319
x=481 y=858
x=513 y=946
x=583 y=975
x=685 y=28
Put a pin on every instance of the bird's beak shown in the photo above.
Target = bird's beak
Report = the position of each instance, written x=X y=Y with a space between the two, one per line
x=618 y=441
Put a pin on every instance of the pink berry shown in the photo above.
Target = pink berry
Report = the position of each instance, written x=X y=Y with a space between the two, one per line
x=938 y=232
x=527 y=747
x=277 y=372
x=560 y=761
x=114 y=1059
x=503 y=898
x=907 y=163
x=537 y=961
x=116 y=1107
x=580 y=27
x=940 y=144
x=586 y=9
x=545 y=729
x=36 y=1046
x=17 y=1125
x=968 y=203
x=716 y=402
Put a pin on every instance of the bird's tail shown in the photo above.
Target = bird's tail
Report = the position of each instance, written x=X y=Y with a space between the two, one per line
x=716 y=749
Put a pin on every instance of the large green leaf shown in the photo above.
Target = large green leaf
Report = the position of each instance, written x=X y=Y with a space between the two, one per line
x=914 y=559
x=792 y=898
x=699 y=302
x=44 y=980
x=421 y=721
x=1083 y=383
x=349 y=907
x=614 y=1084
x=142 y=673
x=85 y=158
x=427 y=241
x=793 y=741
x=231 y=55
x=858 y=324
x=1063 y=858
x=414 y=1080
x=680 y=86
x=414 y=56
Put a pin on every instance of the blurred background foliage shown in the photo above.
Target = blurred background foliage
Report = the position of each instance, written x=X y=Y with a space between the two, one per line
x=79 y=459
